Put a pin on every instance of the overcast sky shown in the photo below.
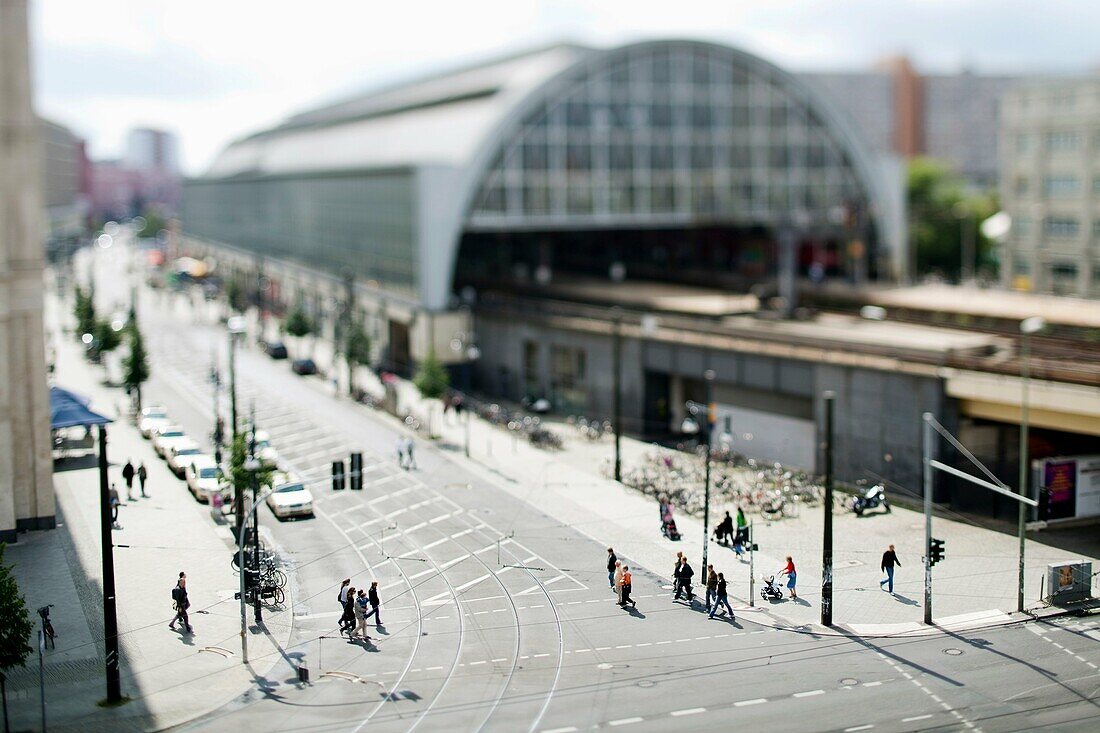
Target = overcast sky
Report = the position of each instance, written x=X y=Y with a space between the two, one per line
x=212 y=70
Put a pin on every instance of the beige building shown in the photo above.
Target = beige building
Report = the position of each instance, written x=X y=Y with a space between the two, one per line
x=26 y=483
x=1050 y=185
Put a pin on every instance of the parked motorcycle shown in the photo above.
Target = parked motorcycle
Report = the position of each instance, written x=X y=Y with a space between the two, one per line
x=872 y=498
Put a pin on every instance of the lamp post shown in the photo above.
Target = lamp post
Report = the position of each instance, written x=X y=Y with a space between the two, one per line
x=462 y=343
x=236 y=327
x=251 y=465
x=110 y=615
x=827 y=530
x=616 y=381
x=691 y=425
x=1027 y=327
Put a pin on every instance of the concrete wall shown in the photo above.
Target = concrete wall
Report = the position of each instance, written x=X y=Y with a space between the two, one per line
x=26 y=482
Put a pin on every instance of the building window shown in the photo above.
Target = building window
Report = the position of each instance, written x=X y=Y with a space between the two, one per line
x=1063 y=142
x=1021 y=267
x=1096 y=228
x=1096 y=185
x=567 y=366
x=531 y=381
x=1061 y=226
x=1021 y=185
x=1063 y=271
x=1061 y=186
x=1096 y=275
x=1023 y=143
x=1023 y=226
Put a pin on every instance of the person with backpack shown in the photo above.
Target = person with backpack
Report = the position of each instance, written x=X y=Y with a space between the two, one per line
x=359 y=608
x=627 y=584
x=721 y=599
x=181 y=603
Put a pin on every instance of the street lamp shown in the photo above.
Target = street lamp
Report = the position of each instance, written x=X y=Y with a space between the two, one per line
x=462 y=344
x=236 y=326
x=617 y=386
x=692 y=425
x=254 y=464
x=1028 y=326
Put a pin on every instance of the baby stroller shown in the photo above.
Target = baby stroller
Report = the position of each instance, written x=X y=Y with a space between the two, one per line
x=770 y=591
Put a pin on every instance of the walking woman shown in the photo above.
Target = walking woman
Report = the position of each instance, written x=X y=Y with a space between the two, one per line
x=347 y=620
x=791 y=576
x=619 y=581
x=625 y=587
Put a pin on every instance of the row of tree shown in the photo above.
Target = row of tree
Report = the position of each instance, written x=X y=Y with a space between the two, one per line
x=105 y=339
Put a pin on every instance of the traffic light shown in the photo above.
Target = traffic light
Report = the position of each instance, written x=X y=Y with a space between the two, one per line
x=935 y=551
x=356 y=471
x=337 y=475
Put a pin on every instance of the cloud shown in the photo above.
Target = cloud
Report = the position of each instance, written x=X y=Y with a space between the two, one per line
x=213 y=70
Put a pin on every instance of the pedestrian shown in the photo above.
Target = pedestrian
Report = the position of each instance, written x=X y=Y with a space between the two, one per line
x=721 y=599
x=217 y=501
x=347 y=618
x=400 y=452
x=889 y=560
x=342 y=595
x=617 y=581
x=409 y=452
x=627 y=585
x=612 y=561
x=676 y=575
x=361 y=614
x=712 y=586
x=142 y=475
x=181 y=603
x=128 y=477
x=375 y=605
x=725 y=529
x=112 y=496
x=791 y=575
x=686 y=574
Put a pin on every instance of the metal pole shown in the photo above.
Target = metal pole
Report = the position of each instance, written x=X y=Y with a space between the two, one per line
x=466 y=412
x=244 y=613
x=709 y=379
x=928 y=437
x=827 y=538
x=1021 y=517
x=238 y=499
x=41 y=681
x=752 y=568
x=110 y=617
x=617 y=360
x=255 y=524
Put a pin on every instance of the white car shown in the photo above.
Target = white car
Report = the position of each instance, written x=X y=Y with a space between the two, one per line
x=178 y=452
x=164 y=435
x=203 y=476
x=152 y=417
x=291 y=500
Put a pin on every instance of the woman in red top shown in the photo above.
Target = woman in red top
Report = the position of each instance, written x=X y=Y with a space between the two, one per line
x=791 y=575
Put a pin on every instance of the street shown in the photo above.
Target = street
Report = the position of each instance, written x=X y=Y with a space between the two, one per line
x=497 y=617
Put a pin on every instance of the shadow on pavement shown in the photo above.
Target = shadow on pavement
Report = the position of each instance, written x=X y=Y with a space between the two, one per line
x=904 y=599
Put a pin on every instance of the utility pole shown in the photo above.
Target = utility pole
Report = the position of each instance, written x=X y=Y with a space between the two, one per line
x=110 y=614
x=928 y=437
x=617 y=367
x=752 y=567
x=219 y=431
x=236 y=326
x=708 y=377
x=255 y=520
x=1027 y=327
x=827 y=539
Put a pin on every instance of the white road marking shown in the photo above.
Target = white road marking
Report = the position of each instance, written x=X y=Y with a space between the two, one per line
x=809 y=693
x=854 y=728
x=871 y=684
x=915 y=718
x=567 y=729
x=687 y=711
x=624 y=721
x=754 y=701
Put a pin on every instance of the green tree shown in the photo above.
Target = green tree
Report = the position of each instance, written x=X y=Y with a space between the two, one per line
x=241 y=478
x=154 y=222
x=83 y=311
x=236 y=294
x=136 y=365
x=942 y=213
x=356 y=350
x=14 y=631
x=297 y=320
x=108 y=338
x=432 y=380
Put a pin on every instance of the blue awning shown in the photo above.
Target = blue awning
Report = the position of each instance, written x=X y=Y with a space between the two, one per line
x=69 y=409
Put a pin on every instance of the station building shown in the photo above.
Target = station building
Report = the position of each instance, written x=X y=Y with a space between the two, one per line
x=510 y=204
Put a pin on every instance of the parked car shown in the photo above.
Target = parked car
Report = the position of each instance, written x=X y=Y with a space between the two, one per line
x=291 y=500
x=178 y=452
x=275 y=349
x=152 y=417
x=203 y=476
x=166 y=434
x=303 y=366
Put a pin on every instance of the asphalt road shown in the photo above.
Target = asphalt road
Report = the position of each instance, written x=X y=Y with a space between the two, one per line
x=498 y=618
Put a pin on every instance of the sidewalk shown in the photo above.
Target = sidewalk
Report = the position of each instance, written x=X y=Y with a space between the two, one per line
x=169 y=677
x=975 y=586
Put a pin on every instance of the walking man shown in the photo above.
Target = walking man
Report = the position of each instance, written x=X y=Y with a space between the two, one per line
x=889 y=560
x=179 y=598
x=401 y=452
x=142 y=475
x=617 y=581
x=112 y=496
x=712 y=586
x=676 y=575
x=347 y=618
x=627 y=584
x=409 y=452
x=359 y=607
x=720 y=598
x=684 y=581
x=128 y=477
x=612 y=561
x=375 y=605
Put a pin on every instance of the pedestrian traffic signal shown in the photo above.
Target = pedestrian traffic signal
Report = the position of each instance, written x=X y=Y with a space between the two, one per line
x=935 y=551
x=356 y=471
x=337 y=475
